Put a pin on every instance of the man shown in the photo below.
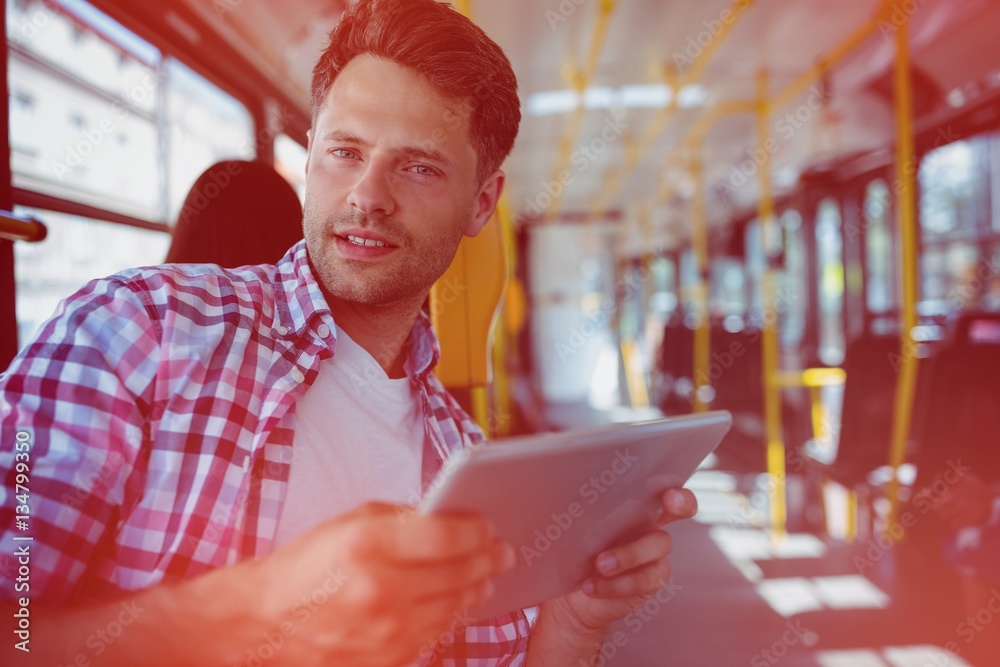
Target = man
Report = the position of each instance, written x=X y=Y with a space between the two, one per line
x=172 y=522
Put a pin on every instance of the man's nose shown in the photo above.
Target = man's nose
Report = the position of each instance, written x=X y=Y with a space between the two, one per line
x=371 y=192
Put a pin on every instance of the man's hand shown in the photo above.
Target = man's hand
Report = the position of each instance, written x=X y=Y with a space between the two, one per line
x=627 y=576
x=372 y=588
x=398 y=584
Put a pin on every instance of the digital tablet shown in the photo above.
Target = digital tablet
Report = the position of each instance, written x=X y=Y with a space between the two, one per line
x=562 y=498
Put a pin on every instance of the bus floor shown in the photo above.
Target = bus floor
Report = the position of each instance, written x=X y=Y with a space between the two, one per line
x=736 y=597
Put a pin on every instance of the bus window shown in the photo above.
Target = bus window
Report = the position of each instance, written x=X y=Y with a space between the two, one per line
x=880 y=281
x=792 y=293
x=729 y=296
x=995 y=180
x=688 y=286
x=103 y=119
x=954 y=218
x=51 y=270
x=630 y=302
x=205 y=125
x=755 y=271
x=954 y=191
x=88 y=132
x=948 y=274
x=830 y=277
x=290 y=161
x=991 y=294
x=663 y=301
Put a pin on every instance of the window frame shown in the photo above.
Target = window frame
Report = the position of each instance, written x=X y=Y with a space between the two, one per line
x=207 y=66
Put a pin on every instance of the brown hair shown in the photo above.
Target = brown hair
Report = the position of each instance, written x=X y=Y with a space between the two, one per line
x=447 y=48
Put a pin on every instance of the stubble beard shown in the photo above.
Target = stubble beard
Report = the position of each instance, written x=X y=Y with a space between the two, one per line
x=399 y=280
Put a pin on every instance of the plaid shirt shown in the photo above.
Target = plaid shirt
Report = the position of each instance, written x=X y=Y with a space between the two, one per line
x=160 y=405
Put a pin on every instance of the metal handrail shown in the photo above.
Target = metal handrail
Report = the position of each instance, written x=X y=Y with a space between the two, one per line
x=21 y=228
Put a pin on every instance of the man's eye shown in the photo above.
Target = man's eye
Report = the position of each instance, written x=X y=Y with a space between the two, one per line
x=344 y=153
x=423 y=170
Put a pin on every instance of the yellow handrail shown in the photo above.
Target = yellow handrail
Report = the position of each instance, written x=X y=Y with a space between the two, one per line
x=769 y=333
x=699 y=244
x=580 y=83
x=907 y=217
x=659 y=122
x=811 y=377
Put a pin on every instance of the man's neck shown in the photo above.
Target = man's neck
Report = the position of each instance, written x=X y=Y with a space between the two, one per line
x=383 y=331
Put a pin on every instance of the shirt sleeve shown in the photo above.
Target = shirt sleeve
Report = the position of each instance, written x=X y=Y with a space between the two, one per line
x=498 y=642
x=78 y=394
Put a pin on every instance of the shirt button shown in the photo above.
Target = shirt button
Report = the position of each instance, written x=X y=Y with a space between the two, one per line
x=281 y=330
x=323 y=331
x=297 y=375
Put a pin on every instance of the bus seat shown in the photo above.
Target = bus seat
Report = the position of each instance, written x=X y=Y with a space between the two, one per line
x=676 y=368
x=237 y=213
x=735 y=375
x=463 y=305
x=963 y=421
x=866 y=412
x=958 y=430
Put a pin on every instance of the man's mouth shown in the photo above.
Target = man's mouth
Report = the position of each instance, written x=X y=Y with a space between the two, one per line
x=363 y=245
x=357 y=240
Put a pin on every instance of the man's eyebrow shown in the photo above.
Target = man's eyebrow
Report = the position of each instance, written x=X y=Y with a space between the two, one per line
x=431 y=155
x=346 y=137
x=411 y=152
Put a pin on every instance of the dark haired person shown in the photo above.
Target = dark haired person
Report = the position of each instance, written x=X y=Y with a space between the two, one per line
x=236 y=213
x=215 y=472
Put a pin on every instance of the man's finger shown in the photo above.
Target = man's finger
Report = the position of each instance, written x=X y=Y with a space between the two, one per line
x=433 y=538
x=677 y=504
x=453 y=577
x=642 y=582
x=647 y=549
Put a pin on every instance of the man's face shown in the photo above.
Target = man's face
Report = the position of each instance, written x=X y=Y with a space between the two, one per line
x=390 y=185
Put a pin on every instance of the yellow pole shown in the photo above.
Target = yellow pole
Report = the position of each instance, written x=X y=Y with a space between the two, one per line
x=769 y=334
x=480 y=408
x=635 y=379
x=699 y=244
x=500 y=420
x=817 y=411
x=477 y=394
x=852 y=515
x=907 y=218
x=581 y=80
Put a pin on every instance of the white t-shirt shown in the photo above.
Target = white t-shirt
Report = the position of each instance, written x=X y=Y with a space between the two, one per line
x=359 y=437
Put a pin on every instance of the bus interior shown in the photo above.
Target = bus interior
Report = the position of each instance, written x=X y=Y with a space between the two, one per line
x=787 y=209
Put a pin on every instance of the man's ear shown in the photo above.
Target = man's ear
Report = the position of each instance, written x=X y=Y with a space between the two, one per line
x=309 y=145
x=486 y=202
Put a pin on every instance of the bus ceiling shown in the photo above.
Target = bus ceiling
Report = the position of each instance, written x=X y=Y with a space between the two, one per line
x=576 y=61
x=265 y=49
